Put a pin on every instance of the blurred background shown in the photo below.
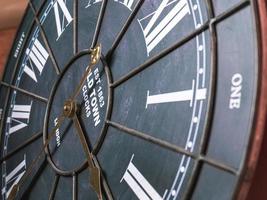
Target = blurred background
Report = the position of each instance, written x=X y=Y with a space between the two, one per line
x=11 y=12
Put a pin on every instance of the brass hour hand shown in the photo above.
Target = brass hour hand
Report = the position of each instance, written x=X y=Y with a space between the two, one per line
x=95 y=173
x=70 y=112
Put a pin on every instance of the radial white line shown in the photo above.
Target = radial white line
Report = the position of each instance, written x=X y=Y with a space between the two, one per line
x=184 y=95
x=135 y=187
x=138 y=183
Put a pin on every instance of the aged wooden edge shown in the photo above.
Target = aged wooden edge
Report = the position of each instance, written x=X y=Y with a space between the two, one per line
x=11 y=15
x=261 y=111
x=11 y=12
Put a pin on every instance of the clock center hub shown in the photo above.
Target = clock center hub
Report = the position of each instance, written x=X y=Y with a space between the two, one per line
x=83 y=91
x=69 y=108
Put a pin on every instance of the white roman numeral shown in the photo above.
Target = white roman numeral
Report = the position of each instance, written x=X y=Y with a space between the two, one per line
x=20 y=116
x=184 y=95
x=127 y=3
x=155 y=33
x=61 y=25
x=37 y=57
x=92 y=2
x=138 y=183
x=14 y=176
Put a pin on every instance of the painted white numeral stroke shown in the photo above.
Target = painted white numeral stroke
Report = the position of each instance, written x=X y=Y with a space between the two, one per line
x=66 y=14
x=155 y=33
x=14 y=176
x=92 y=2
x=37 y=56
x=20 y=116
x=138 y=183
x=127 y=3
x=184 y=95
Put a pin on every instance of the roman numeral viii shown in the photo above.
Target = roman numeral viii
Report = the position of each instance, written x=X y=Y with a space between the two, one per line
x=37 y=58
x=138 y=183
x=60 y=21
x=19 y=118
x=158 y=27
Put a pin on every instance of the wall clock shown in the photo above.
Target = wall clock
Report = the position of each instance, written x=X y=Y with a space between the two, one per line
x=133 y=99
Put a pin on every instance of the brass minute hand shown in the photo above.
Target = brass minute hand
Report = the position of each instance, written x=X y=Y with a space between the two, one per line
x=70 y=111
x=94 y=171
x=95 y=57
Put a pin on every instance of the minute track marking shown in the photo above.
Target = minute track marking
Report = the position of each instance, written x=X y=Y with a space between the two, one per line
x=30 y=140
x=179 y=43
x=38 y=97
x=213 y=20
x=172 y=147
x=204 y=139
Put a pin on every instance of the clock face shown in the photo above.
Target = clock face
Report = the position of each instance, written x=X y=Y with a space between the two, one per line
x=166 y=112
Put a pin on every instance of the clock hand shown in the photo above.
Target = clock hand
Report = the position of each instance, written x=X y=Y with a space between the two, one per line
x=104 y=182
x=105 y=185
x=93 y=169
x=16 y=187
x=95 y=57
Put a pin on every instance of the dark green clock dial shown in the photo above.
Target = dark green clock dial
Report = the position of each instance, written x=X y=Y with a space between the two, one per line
x=166 y=112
